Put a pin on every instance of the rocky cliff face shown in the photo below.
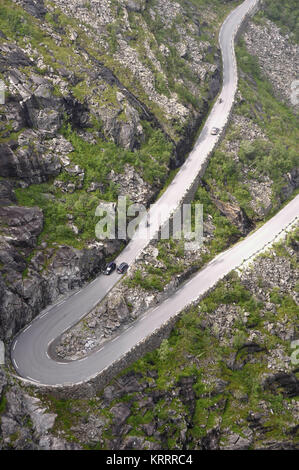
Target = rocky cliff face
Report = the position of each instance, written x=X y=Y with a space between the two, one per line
x=25 y=423
x=278 y=57
x=225 y=379
x=253 y=171
x=233 y=380
x=102 y=99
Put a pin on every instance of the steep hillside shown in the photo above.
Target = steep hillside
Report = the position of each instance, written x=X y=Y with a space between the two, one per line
x=106 y=101
x=285 y=14
x=103 y=99
x=250 y=175
x=225 y=379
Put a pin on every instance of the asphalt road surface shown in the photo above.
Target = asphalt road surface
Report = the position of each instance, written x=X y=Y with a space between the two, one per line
x=30 y=350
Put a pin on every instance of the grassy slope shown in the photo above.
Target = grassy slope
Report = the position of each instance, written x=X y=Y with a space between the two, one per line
x=272 y=158
x=97 y=160
x=171 y=361
x=189 y=339
x=285 y=14
x=193 y=350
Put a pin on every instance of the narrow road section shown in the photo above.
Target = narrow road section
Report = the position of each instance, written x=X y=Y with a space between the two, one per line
x=30 y=349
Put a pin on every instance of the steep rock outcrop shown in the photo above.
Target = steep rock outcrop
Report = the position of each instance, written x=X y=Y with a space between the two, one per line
x=25 y=424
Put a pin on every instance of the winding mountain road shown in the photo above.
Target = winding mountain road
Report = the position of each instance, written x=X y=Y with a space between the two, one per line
x=30 y=351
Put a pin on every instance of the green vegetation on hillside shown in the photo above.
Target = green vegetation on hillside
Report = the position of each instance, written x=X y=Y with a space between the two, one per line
x=225 y=395
x=97 y=161
x=172 y=252
x=285 y=13
x=152 y=159
x=272 y=157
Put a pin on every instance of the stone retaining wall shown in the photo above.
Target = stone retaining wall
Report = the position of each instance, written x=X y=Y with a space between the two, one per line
x=95 y=384
x=89 y=388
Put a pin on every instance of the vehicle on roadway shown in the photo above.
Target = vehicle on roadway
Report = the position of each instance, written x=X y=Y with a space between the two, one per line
x=122 y=268
x=215 y=131
x=110 y=268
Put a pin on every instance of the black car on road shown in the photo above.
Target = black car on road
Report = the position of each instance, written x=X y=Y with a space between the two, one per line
x=110 y=268
x=122 y=268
